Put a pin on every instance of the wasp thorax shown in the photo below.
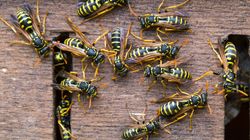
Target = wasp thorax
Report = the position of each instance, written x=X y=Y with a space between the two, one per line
x=164 y=49
x=195 y=100
x=152 y=126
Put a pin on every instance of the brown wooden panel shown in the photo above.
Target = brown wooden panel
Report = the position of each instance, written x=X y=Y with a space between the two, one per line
x=26 y=96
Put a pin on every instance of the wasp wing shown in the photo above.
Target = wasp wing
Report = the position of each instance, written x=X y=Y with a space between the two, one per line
x=77 y=30
x=74 y=50
x=221 y=48
x=149 y=57
x=67 y=88
x=176 y=62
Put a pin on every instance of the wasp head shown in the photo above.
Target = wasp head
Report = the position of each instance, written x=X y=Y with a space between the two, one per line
x=174 y=51
x=99 y=59
x=60 y=57
x=92 y=92
x=147 y=71
x=204 y=98
x=230 y=75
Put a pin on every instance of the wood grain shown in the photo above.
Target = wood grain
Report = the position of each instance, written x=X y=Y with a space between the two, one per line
x=26 y=96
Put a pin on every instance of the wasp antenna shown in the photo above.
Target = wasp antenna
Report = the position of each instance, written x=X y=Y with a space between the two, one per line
x=207 y=86
x=131 y=10
x=90 y=102
x=185 y=42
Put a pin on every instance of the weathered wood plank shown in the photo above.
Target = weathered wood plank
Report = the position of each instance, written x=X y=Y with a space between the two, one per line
x=26 y=95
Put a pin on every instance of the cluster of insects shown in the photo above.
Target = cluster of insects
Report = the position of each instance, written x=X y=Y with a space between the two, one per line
x=125 y=58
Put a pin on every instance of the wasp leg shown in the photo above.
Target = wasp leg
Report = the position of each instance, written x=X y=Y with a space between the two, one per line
x=80 y=103
x=141 y=33
x=191 y=116
x=151 y=84
x=176 y=120
x=83 y=69
x=208 y=73
x=44 y=23
x=98 y=14
x=114 y=78
x=141 y=38
x=99 y=37
x=64 y=129
x=222 y=91
x=129 y=49
x=90 y=102
x=159 y=7
x=9 y=25
x=96 y=70
x=218 y=55
x=185 y=93
x=174 y=81
x=38 y=60
x=107 y=51
x=164 y=98
x=164 y=84
x=242 y=92
x=162 y=32
x=167 y=131
x=157 y=33
x=66 y=111
x=175 y=6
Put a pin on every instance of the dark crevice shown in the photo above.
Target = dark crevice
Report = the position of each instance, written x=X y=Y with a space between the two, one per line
x=237 y=112
x=57 y=96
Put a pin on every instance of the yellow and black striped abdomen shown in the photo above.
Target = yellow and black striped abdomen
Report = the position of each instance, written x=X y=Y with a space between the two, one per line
x=89 y=7
x=24 y=20
x=41 y=45
x=230 y=54
x=131 y=133
x=141 y=51
x=170 y=108
x=174 y=20
x=74 y=42
x=180 y=73
x=116 y=40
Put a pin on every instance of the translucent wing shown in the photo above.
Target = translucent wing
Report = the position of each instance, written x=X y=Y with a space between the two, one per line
x=176 y=62
x=74 y=50
x=77 y=30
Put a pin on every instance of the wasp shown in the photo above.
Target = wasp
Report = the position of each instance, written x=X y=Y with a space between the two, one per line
x=176 y=108
x=153 y=51
x=63 y=116
x=229 y=60
x=145 y=129
x=93 y=8
x=27 y=24
x=117 y=41
x=82 y=47
x=166 y=72
x=72 y=83
x=163 y=22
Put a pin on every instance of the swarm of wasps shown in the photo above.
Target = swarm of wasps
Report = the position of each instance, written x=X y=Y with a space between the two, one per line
x=27 y=25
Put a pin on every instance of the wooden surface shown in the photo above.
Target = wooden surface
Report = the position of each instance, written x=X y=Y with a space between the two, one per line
x=26 y=96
